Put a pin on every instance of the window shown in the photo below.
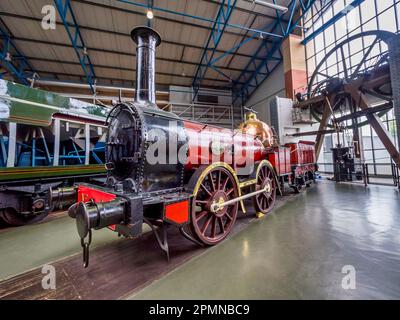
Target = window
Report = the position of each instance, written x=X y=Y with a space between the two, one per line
x=370 y=15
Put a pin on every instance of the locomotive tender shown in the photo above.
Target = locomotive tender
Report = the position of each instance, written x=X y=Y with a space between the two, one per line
x=163 y=170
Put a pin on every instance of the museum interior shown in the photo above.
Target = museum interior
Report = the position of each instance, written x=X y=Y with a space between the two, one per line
x=199 y=149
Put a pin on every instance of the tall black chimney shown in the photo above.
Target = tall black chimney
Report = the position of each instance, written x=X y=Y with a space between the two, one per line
x=147 y=40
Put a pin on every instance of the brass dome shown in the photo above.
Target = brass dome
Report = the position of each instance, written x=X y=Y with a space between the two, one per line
x=258 y=128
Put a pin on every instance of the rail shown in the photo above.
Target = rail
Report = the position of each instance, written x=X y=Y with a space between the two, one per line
x=209 y=113
x=396 y=175
x=390 y=178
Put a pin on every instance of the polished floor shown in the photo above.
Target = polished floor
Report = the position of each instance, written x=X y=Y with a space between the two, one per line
x=297 y=252
x=316 y=246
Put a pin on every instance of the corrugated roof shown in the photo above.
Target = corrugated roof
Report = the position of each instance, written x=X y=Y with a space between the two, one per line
x=105 y=26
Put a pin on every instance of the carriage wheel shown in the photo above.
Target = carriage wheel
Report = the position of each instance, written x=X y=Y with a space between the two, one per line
x=310 y=178
x=299 y=182
x=264 y=202
x=13 y=218
x=216 y=185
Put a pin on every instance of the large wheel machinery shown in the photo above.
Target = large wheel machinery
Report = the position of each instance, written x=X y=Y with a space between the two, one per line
x=352 y=86
x=347 y=64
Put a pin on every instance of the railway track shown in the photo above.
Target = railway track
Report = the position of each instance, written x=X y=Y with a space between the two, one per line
x=52 y=216
x=140 y=262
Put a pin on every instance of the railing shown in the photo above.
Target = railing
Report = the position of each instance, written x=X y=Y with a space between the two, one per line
x=396 y=175
x=208 y=113
x=366 y=177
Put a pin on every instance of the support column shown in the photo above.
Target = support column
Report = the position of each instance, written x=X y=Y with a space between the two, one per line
x=87 y=143
x=12 y=143
x=56 y=152
x=394 y=54
x=294 y=64
x=321 y=131
x=375 y=123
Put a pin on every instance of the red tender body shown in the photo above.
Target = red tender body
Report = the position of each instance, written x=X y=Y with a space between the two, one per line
x=280 y=160
x=303 y=161
x=302 y=152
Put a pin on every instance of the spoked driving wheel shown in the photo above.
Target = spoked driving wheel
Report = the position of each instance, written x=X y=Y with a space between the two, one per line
x=265 y=201
x=215 y=185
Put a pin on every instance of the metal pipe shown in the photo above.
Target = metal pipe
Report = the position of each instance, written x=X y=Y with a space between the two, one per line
x=146 y=40
x=67 y=84
x=182 y=14
x=270 y=5
x=86 y=86
x=215 y=207
x=78 y=85
x=101 y=98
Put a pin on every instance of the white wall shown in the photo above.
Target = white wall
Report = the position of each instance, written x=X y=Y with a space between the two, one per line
x=260 y=101
x=273 y=86
x=184 y=95
x=179 y=94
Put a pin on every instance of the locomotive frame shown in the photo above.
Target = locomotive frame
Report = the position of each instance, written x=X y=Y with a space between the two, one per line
x=200 y=194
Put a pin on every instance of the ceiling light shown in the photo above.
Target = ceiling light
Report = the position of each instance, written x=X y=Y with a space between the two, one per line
x=149 y=14
x=270 y=5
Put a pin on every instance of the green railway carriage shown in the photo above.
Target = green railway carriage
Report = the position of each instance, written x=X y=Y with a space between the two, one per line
x=46 y=141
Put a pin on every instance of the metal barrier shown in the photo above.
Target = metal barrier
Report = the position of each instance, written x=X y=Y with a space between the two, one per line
x=396 y=175
x=365 y=172
x=367 y=178
x=208 y=113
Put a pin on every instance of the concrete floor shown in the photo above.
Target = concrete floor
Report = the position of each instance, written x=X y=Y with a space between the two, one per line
x=298 y=252
x=28 y=247
x=32 y=246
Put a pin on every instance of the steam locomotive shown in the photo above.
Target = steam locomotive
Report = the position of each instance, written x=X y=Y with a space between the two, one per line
x=164 y=171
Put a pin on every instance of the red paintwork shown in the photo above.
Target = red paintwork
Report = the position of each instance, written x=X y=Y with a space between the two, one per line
x=113 y=227
x=280 y=160
x=177 y=212
x=202 y=136
x=86 y=194
x=302 y=153
x=302 y=169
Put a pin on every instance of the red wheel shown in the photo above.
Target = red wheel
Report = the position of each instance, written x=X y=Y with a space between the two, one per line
x=264 y=202
x=215 y=185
